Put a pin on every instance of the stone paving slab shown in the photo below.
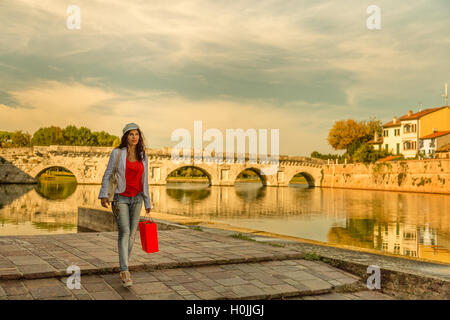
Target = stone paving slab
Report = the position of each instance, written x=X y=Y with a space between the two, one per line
x=289 y=279
x=42 y=256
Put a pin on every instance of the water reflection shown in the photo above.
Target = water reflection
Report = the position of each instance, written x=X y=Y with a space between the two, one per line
x=411 y=224
x=188 y=193
x=54 y=190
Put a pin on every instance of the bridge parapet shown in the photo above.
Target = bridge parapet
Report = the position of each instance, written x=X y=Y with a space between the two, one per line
x=24 y=165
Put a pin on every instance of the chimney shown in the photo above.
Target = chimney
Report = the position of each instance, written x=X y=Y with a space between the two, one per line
x=410 y=113
x=394 y=120
x=375 y=137
x=434 y=130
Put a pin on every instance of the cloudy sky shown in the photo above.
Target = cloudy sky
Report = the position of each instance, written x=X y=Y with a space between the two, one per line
x=296 y=66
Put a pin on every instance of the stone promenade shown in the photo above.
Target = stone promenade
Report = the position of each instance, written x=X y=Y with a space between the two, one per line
x=191 y=264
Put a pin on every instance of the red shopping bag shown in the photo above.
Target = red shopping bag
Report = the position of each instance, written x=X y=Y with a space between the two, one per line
x=149 y=236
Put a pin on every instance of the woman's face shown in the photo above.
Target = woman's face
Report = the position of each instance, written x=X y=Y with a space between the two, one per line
x=133 y=137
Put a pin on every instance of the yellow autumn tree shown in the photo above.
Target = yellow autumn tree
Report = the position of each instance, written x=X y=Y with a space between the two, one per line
x=345 y=132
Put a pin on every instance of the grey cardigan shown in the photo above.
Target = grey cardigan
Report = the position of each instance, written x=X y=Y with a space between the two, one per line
x=121 y=185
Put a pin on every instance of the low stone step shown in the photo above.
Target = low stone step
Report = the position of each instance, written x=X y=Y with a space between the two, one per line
x=262 y=280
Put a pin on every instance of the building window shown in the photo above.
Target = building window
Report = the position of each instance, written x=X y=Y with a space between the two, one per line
x=432 y=145
x=406 y=145
x=409 y=235
x=387 y=147
x=406 y=128
x=410 y=145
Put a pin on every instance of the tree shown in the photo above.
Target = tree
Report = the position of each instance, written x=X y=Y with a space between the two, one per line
x=21 y=139
x=70 y=134
x=105 y=139
x=318 y=155
x=116 y=142
x=344 y=133
x=5 y=138
x=349 y=134
x=48 y=136
x=85 y=137
x=366 y=153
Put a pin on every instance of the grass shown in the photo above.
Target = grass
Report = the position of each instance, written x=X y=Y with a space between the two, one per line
x=312 y=256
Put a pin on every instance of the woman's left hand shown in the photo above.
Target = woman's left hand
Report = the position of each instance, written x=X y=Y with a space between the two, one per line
x=147 y=211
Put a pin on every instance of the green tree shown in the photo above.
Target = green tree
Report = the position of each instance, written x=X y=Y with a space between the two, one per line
x=367 y=154
x=70 y=134
x=48 y=136
x=21 y=139
x=105 y=139
x=5 y=138
x=116 y=142
x=85 y=137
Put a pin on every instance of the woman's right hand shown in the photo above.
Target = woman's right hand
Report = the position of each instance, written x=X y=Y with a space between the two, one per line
x=105 y=202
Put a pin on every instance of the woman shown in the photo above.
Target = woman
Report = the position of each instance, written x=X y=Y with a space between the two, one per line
x=132 y=188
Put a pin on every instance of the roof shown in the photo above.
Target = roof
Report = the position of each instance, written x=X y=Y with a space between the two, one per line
x=413 y=116
x=436 y=134
x=389 y=158
x=392 y=124
x=419 y=114
x=379 y=141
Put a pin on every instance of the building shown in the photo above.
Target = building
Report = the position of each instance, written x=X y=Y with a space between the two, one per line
x=435 y=141
x=377 y=142
x=443 y=152
x=391 y=136
x=402 y=135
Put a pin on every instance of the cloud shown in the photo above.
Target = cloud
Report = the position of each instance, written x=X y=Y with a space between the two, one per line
x=158 y=113
x=303 y=63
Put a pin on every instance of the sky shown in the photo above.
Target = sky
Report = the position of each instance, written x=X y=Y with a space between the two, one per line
x=297 y=66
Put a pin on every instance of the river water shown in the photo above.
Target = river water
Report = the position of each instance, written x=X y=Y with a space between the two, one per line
x=410 y=224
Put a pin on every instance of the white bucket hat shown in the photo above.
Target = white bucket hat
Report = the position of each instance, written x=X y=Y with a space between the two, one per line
x=130 y=126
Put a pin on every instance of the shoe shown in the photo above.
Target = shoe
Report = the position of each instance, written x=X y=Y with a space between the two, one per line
x=126 y=278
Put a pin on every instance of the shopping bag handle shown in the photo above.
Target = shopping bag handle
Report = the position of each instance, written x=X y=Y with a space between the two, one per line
x=147 y=218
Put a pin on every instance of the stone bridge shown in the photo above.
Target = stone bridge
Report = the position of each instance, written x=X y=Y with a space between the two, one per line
x=24 y=165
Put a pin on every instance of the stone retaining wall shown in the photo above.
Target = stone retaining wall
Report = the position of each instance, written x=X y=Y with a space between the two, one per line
x=431 y=176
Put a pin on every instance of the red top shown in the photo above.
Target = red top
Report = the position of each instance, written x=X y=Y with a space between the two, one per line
x=133 y=175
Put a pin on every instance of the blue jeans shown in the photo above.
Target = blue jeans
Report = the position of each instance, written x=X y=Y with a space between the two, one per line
x=127 y=212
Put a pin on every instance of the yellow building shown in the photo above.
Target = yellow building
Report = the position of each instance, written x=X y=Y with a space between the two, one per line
x=438 y=120
x=402 y=135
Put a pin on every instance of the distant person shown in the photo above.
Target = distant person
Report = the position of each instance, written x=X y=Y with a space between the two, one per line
x=132 y=189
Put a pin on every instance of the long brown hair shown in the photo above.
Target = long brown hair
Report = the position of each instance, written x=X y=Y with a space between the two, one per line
x=140 y=147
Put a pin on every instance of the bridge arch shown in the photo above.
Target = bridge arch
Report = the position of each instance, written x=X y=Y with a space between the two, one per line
x=60 y=184
x=41 y=170
x=262 y=177
x=308 y=177
x=203 y=170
